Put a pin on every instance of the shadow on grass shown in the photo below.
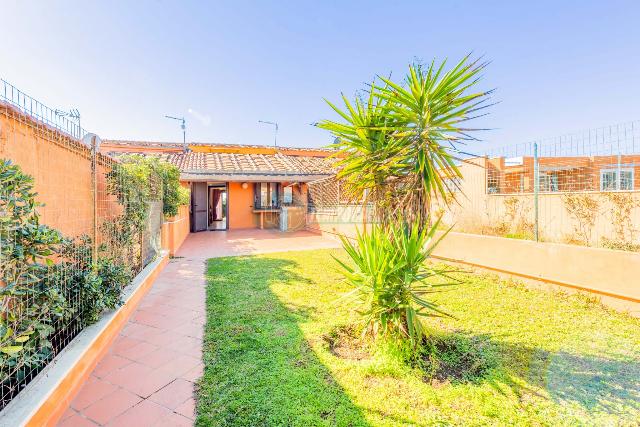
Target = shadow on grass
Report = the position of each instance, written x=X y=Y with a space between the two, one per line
x=592 y=383
x=260 y=370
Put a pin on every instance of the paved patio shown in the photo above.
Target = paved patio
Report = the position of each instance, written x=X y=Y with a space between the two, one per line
x=147 y=377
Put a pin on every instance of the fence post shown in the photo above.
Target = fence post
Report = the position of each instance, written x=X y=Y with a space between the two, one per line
x=94 y=193
x=536 y=190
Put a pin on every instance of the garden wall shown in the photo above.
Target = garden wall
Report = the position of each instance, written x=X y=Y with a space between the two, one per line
x=175 y=230
x=604 y=272
x=592 y=218
x=61 y=168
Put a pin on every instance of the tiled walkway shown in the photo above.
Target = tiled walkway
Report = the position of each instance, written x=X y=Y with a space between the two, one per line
x=147 y=377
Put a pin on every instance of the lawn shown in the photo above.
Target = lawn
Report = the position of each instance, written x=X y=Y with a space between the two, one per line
x=555 y=359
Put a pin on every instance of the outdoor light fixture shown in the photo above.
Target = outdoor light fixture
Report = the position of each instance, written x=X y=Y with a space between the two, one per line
x=245 y=185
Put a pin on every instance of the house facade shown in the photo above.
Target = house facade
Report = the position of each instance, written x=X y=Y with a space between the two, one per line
x=239 y=186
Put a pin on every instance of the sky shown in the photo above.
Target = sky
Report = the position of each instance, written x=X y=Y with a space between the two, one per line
x=557 y=66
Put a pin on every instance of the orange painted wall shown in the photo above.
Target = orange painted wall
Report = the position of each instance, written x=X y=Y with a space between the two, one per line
x=61 y=168
x=175 y=230
x=241 y=206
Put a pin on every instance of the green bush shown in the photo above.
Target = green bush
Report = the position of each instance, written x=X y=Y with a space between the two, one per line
x=29 y=309
x=40 y=297
x=391 y=279
x=97 y=288
x=173 y=194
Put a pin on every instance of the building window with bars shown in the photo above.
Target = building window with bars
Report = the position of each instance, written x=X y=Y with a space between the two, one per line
x=610 y=181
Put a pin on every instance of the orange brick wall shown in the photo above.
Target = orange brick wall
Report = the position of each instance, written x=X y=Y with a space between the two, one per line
x=61 y=168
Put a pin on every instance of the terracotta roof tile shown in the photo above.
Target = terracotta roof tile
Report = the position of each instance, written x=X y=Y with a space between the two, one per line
x=234 y=163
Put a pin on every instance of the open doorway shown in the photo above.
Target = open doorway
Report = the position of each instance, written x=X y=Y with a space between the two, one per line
x=217 y=207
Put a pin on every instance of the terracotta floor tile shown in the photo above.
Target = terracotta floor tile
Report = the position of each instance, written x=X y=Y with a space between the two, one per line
x=187 y=408
x=141 y=379
x=194 y=374
x=110 y=363
x=181 y=365
x=123 y=343
x=174 y=394
x=91 y=392
x=144 y=414
x=174 y=420
x=139 y=331
x=111 y=406
x=190 y=329
x=161 y=339
x=76 y=421
x=137 y=351
x=68 y=413
x=158 y=358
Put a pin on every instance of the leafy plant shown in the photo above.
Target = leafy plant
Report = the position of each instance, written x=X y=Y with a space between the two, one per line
x=397 y=148
x=516 y=223
x=397 y=152
x=623 y=205
x=173 y=194
x=392 y=280
x=584 y=209
x=29 y=309
x=94 y=288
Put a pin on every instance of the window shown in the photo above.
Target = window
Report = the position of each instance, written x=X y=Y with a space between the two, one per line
x=549 y=182
x=287 y=197
x=610 y=181
x=266 y=195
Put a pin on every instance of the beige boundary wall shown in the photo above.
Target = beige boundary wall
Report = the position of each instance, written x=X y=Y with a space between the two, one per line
x=612 y=275
x=608 y=273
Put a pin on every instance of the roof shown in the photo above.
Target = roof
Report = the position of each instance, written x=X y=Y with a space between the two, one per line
x=127 y=145
x=218 y=165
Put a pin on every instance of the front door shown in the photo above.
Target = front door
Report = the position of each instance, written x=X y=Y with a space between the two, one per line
x=199 y=207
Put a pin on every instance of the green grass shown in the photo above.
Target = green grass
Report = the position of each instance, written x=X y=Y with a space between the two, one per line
x=562 y=360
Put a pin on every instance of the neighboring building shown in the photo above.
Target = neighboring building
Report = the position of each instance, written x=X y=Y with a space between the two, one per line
x=562 y=174
x=240 y=186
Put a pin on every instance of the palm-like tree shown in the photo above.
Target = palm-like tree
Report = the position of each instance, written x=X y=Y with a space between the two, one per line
x=397 y=151
x=398 y=147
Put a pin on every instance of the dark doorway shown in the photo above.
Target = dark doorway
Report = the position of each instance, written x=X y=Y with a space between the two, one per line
x=199 y=206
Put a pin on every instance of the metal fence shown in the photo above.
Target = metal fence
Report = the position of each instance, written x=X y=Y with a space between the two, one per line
x=54 y=118
x=581 y=188
x=63 y=263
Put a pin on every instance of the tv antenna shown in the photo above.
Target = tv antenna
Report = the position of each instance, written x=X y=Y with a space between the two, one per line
x=183 y=126
x=275 y=137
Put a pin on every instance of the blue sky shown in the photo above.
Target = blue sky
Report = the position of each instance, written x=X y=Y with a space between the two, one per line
x=557 y=66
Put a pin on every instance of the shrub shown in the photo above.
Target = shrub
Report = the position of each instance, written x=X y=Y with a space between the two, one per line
x=173 y=194
x=96 y=288
x=40 y=297
x=29 y=309
x=391 y=279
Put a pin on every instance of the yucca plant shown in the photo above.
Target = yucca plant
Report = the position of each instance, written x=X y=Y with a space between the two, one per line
x=397 y=148
x=397 y=151
x=392 y=280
